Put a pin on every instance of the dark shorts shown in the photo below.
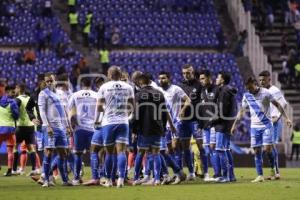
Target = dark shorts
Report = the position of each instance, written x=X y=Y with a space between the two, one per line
x=25 y=133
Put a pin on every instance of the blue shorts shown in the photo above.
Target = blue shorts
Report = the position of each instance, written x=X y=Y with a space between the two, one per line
x=261 y=136
x=222 y=141
x=58 y=140
x=82 y=140
x=115 y=133
x=187 y=129
x=97 y=138
x=147 y=142
x=163 y=144
x=277 y=130
x=209 y=136
x=39 y=140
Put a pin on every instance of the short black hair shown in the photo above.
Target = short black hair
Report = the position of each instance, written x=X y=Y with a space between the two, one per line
x=205 y=72
x=86 y=82
x=251 y=80
x=186 y=66
x=149 y=75
x=165 y=73
x=265 y=73
x=226 y=77
x=22 y=87
x=10 y=87
x=145 y=79
x=99 y=80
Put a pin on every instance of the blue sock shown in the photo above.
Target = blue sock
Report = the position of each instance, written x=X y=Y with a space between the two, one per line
x=171 y=162
x=157 y=166
x=276 y=162
x=62 y=169
x=94 y=165
x=115 y=167
x=215 y=162
x=224 y=163
x=204 y=154
x=101 y=170
x=149 y=164
x=78 y=165
x=164 y=167
x=231 y=165
x=137 y=165
x=54 y=163
x=189 y=160
x=259 y=163
x=46 y=166
x=122 y=164
x=71 y=162
x=108 y=165
x=178 y=159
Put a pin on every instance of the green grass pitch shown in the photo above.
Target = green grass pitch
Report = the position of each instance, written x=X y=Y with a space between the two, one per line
x=288 y=188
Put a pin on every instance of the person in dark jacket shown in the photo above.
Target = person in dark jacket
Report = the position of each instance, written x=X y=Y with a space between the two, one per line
x=206 y=113
x=149 y=123
x=227 y=110
x=189 y=124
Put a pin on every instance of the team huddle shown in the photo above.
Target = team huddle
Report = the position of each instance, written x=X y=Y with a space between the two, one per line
x=124 y=123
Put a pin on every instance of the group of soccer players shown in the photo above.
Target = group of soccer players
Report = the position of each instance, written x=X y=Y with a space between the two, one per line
x=120 y=118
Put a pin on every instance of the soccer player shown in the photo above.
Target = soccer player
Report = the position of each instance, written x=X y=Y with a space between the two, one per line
x=82 y=106
x=25 y=127
x=55 y=129
x=177 y=102
x=265 y=81
x=150 y=119
x=189 y=125
x=116 y=100
x=208 y=111
x=227 y=110
x=9 y=113
x=258 y=100
x=96 y=146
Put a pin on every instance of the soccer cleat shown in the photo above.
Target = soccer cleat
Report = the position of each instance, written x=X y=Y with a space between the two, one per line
x=46 y=184
x=277 y=176
x=166 y=180
x=21 y=172
x=8 y=173
x=145 y=179
x=272 y=175
x=179 y=178
x=157 y=183
x=222 y=180
x=75 y=182
x=149 y=182
x=258 y=179
x=208 y=179
x=108 y=183
x=136 y=182
x=191 y=177
x=68 y=183
x=102 y=180
x=91 y=182
x=120 y=183
x=32 y=173
x=14 y=173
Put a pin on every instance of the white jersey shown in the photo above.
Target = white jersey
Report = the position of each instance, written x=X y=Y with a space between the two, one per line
x=115 y=95
x=174 y=96
x=51 y=110
x=259 y=105
x=84 y=101
x=279 y=97
x=63 y=96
